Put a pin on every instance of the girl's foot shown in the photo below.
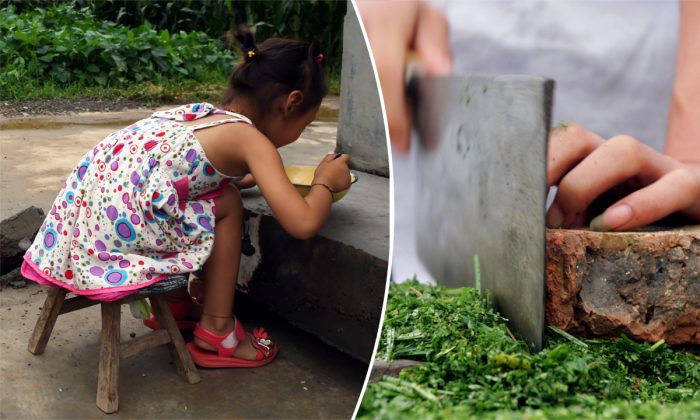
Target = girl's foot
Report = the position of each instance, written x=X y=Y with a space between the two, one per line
x=222 y=342
x=244 y=350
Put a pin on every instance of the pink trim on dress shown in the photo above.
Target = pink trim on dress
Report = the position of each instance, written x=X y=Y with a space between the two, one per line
x=182 y=188
x=211 y=194
x=31 y=271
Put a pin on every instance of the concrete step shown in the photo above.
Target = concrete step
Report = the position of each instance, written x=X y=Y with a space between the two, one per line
x=332 y=285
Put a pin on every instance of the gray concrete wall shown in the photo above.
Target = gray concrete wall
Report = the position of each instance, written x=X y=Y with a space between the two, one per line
x=331 y=285
x=361 y=131
x=322 y=286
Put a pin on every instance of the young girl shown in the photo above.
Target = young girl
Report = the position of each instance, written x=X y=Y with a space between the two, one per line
x=154 y=199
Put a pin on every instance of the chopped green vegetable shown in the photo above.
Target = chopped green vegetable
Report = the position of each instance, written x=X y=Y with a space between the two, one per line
x=473 y=368
x=568 y=336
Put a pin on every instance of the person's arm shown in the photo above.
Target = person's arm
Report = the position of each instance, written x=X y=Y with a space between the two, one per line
x=301 y=217
x=683 y=137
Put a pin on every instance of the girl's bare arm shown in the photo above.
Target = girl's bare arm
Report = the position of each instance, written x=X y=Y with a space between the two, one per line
x=300 y=216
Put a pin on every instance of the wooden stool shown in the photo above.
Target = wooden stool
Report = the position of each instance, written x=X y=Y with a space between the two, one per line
x=112 y=350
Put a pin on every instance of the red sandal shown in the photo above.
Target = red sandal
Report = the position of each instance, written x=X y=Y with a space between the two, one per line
x=179 y=309
x=226 y=345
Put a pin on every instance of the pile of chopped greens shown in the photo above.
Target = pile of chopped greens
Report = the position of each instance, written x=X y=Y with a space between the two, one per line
x=474 y=367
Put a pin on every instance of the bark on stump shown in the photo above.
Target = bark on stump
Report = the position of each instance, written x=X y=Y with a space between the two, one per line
x=645 y=285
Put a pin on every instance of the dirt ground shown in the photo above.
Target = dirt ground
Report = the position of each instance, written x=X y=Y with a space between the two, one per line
x=62 y=106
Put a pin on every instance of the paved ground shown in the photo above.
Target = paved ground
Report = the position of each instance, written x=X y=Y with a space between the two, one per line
x=309 y=379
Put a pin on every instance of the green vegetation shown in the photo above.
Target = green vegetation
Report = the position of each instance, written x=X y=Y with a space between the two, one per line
x=474 y=368
x=70 y=47
x=153 y=51
x=313 y=20
x=319 y=20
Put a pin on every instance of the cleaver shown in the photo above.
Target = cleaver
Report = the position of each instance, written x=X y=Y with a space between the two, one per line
x=481 y=188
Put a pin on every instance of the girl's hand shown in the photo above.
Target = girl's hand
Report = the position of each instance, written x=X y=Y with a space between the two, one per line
x=333 y=171
x=642 y=184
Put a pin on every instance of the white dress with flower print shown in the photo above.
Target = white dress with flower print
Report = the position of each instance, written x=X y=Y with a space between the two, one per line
x=138 y=208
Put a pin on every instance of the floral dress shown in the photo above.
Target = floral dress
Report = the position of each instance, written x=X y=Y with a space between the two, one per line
x=138 y=208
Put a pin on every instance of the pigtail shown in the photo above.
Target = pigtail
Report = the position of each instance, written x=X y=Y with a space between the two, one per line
x=248 y=47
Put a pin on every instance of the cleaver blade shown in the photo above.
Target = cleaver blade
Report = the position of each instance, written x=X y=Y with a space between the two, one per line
x=481 y=189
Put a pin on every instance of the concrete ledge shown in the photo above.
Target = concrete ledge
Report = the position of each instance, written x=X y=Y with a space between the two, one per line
x=645 y=285
x=333 y=284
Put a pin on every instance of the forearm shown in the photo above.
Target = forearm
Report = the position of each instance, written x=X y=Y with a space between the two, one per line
x=319 y=201
x=683 y=137
x=305 y=218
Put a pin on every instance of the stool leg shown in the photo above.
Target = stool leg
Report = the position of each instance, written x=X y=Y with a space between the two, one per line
x=47 y=320
x=108 y=376
x=181 y=357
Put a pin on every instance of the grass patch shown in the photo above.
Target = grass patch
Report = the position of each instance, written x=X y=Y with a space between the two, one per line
x=148 y=93
x=473 y=368
x=334 y=84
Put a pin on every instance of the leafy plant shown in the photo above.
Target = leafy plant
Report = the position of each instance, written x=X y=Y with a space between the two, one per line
x=474 y=367
x=69 y=46
x=319 y=20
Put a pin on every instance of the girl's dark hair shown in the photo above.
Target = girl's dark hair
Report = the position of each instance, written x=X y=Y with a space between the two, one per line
x=274 y=68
